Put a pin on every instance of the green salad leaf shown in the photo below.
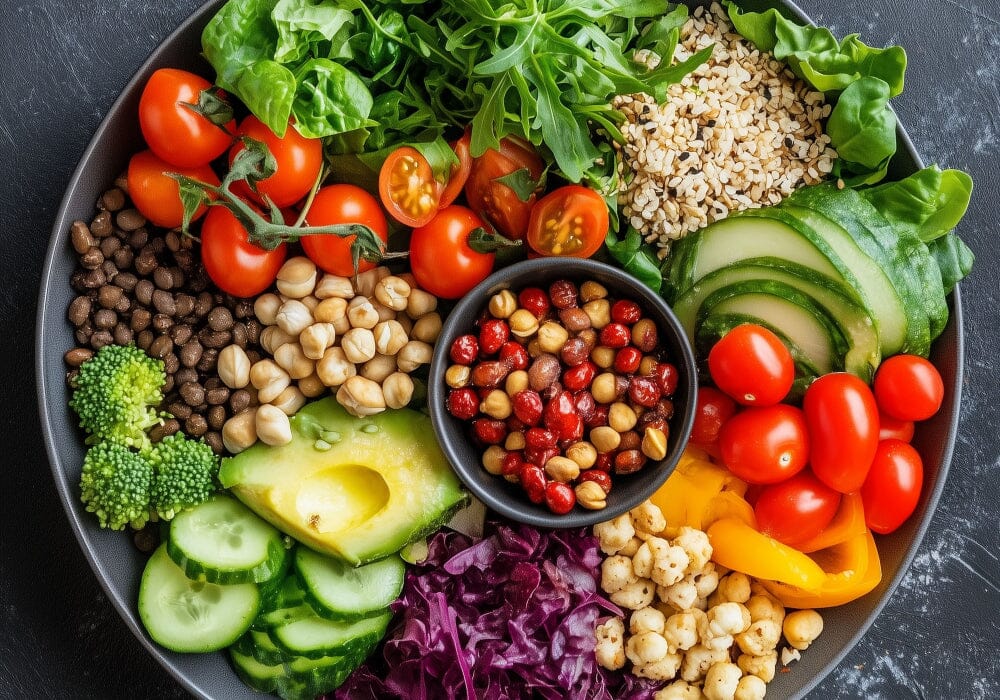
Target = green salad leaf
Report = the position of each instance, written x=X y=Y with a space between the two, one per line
x=927 y=204
x=861 y=127
x=953 y=258
x=372 y=75
x=636 y=258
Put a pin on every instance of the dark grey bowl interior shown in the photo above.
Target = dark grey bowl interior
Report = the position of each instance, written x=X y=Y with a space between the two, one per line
x=118 y=565
x=453 y=434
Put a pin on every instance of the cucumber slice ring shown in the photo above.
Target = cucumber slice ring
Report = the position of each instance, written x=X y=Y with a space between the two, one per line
x=223 y=541
x=339 y=591
x=192 y=616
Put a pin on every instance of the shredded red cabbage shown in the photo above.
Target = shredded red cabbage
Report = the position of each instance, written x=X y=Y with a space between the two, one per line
x=510 y=616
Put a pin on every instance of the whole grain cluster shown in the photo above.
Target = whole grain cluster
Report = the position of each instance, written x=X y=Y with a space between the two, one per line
x=739 y=132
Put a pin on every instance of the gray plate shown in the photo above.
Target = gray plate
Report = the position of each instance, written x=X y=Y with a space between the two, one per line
x=118 y=565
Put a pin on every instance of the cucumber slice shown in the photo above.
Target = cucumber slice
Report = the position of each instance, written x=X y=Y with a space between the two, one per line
x=261 y=647
x=259 y=676
x=341 y=592
x=314 y=637
x=192 y=616
x=223 y=541
x=858 y=328
x=297 y=678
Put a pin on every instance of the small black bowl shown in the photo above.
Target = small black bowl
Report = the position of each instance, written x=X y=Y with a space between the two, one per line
x=466 y=457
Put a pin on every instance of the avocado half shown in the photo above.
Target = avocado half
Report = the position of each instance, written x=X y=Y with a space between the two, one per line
x=355 y=488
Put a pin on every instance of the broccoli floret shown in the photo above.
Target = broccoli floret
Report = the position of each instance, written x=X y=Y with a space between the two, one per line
x=116 y=395
x=115 y=485
x=184 y=472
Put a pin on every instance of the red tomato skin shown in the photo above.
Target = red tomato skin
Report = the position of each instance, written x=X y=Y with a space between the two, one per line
x=299 y=161
x=765 y=445
x=493 y=200
x=889 y=427
x=235 y=265
x=342 y=204
x=175 y=133
x=460 y=173
x=562 y=208
x=712 y=410
x=155 y=194
x=796 y=509
x=892 y=488
x=440 y=257
x=752 y=365
x=843 y=427
x=908 y=387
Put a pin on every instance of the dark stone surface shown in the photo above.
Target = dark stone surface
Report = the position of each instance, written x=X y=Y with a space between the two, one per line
x=64 y=64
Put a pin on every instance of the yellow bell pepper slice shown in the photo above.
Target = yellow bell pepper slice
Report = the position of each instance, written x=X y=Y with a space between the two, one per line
x=853 y=569
x=738 y=546
x=728 y=504
x=686 y=494
x=849 y=522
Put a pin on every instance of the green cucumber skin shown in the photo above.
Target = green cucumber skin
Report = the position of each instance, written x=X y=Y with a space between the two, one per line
x=311 y=567
x=258 y=645
x=275 y=565
x=282 y=616
x=297 y=678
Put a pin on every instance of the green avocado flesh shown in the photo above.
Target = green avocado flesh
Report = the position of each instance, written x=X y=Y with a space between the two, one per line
x=355 y=488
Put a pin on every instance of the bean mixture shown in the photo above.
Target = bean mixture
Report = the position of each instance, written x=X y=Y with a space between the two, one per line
x=138 y=283
x=563 y=389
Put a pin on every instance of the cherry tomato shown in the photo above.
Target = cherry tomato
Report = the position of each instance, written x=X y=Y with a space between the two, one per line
x=495 y=201
x=765 y=445
x=889 y=427
x=407 y=187
x=236 y=265
x=156 y=194
x=174 y=131
x=712 y=410
x=892 y=488
x=342 y=204
x=796 y=509
x=908 y=387
x=299 y=161
x=751 y=364
x=843 y=427
x=459 y=173
x=571 y=221
x=440 y=257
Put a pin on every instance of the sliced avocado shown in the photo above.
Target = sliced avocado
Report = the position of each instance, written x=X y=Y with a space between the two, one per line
x=355 y=488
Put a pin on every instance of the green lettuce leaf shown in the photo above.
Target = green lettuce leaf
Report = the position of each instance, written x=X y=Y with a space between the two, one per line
x=927 y=204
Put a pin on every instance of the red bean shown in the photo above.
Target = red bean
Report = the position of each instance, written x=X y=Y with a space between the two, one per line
x=463 y=403
x=514 y=355
x=579 y=377
x=559 y=497
x=643 y=391
x=464 y=350
x=599 y=477
x=625 y=311
x=492 y=335
x=489 y=431
x=615 y=335
x=627 y=360
x=533 y=482
x=527 y=405
x=534 y=300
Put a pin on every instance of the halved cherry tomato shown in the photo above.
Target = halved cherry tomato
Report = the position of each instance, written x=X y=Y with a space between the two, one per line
x=571 y=221
x=712 y=410
x=407 y=187
x=889 y=427
x=236 y=265
x=298 y=158
x=459 y=173
x=174 y=131
x=440 y=257
x=342 y=204
x=495 y=201
x=752 y=364
x=843 y=428
x=892 y=489
x=796 y=509
x=908 y=387
x=156 y=194
x=765 y=445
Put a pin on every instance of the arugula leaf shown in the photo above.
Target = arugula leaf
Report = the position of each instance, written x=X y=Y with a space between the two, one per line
x=636 y=258
x=927 y=204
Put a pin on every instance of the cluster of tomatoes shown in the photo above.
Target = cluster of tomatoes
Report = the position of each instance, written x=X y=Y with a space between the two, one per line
x=570 y=220
x=846 y=437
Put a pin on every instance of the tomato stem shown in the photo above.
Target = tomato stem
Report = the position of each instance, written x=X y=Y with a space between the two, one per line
x=307 y=205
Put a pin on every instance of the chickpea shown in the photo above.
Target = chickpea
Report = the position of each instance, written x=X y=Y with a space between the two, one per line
x=458 y=376
x=721 y=681
x=297 y=277
x=552 y=336
x=397 y=389
x=358 y=345
x=420 y=303
x=591 y=290
x=365 y=281
x=290 y=400
x=599 y=311
x=293 y=317
x=272 y=425
x=563 y=469
x=392 y=292
x=605 y=438
x=265 y=308
x=493 y=459
x=334 y=287
x=273 y=337
x=335 y=369
x=240 y=431
x=516 y=382
x=362 y=313
x=331 y=310
x=293 y=360
x=590 y=495
x=361 y=397
x=269 y=379
x=621 y=417
x=316 y=339
x=427 y=328
x=503 y=304
x=603 y=357
x=515 y=441
x=312 y=386
x=496 y=405
x=523 y=323
x=378 y=368
x=389 y=336
x=583 y=453
x=233 y=367
x=802 y=627
x=413 y=354
x=604 y=388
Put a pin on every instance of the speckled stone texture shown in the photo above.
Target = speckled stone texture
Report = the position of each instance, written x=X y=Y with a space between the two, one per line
x=64 y=64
